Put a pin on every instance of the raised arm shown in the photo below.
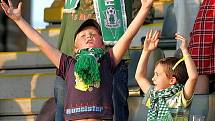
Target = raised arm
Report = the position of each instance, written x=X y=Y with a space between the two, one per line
x=150 y=44
x=189 y=87
x=15 y=14
x=123 y=43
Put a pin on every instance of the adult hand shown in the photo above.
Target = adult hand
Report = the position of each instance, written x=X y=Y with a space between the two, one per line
x=10 y=11
x=151 y=40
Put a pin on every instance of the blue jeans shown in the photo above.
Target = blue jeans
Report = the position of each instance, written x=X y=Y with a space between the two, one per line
x=120 y=92
x=59 y=94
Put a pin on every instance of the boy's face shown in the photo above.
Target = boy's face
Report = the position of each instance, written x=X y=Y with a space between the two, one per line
x=160 y=80
x=89 y=37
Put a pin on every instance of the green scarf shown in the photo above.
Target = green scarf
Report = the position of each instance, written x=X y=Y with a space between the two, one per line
x=87 y=68
x=159 y=111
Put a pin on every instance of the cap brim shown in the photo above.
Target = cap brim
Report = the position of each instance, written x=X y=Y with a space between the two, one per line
x=88 y=22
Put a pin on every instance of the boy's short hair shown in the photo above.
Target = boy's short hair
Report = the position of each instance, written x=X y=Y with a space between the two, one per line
x=180 y=72
x=86 y=23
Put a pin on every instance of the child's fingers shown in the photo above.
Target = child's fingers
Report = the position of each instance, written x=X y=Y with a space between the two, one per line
x=183 y=40
x=4 y=7
x=10 y=4
x=2 y=1
x=147 y=36
x=150 y=33
x=179 y=37
x=156 y=35
x=156 y=43
x=20 y=6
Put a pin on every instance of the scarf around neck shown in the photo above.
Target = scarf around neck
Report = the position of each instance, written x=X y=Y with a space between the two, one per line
x=87 y=68
x=159 y=110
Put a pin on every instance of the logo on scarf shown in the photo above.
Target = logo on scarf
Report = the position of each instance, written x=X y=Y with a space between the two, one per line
x=111 y=20
x=111 y=16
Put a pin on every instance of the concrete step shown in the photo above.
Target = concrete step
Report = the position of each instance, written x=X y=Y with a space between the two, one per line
x=135 y=54
x=27 y=83
x=168 y=45
x=14 y=60
x=50 y=34
x=18 y=118
x=136 y=42
x=21 y=106
x=9 y=72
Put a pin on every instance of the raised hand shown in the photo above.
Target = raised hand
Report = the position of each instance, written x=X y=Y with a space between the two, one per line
x=151 y=40
x=147 y=3
x=10 y=11
x=183 y=41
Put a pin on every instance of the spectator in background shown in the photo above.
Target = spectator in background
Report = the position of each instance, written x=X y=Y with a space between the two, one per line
x=202 y=45
x=185 y=12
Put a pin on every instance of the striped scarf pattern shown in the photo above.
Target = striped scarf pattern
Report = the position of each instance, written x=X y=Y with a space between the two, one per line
x=159 y=111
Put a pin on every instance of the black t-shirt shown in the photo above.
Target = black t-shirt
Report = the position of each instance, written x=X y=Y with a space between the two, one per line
x=95 y=104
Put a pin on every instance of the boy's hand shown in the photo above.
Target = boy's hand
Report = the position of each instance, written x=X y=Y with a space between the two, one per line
x=146 y=3
x=183 y=41
x=14 y=14
x=151 y=40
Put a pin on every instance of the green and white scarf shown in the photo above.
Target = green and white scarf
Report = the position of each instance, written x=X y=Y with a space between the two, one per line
x=159 y=110
x=111 y=15
x=70 y=5
x=87 y=68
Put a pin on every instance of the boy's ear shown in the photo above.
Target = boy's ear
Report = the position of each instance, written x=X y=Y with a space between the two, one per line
x=173 y=81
